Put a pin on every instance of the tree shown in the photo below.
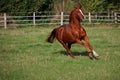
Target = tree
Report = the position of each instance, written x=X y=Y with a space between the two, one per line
x=113 y=5
x=93 y=5
x=57 y=5
x=25 y=5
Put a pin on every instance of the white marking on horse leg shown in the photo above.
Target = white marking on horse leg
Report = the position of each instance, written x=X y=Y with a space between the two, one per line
x=95 y=54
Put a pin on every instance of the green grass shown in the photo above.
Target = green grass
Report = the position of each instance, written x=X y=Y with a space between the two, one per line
x=24 y=55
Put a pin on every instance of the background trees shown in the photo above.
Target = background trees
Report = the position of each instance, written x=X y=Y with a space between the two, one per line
x=24 y=5
x=57 y=5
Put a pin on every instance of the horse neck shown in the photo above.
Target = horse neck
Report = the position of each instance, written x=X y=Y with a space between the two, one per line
x=75 y=22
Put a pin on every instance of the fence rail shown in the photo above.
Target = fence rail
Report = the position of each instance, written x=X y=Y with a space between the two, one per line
x=39 y=18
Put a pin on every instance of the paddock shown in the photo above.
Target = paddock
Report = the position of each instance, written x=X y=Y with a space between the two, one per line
x=24 y=55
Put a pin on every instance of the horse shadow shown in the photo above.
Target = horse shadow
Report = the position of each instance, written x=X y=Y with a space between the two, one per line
x=75 y=53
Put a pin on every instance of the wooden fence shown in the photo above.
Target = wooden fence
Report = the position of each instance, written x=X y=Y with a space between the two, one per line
x=44 y=18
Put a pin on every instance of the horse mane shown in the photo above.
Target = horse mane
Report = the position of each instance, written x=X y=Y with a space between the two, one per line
x=71 y=17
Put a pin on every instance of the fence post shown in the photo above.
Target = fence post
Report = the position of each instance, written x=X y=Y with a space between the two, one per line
x=5 y=21
x=89 y=15
x=115 y=15
x=61 y=18
x=34 y=19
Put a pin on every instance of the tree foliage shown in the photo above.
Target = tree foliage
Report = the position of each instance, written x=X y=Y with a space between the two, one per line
x=24 y=5
x=93 y=5
x=49 y=5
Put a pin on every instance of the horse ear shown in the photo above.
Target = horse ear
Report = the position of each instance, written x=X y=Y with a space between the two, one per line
x=75 y=7
x=80 y=5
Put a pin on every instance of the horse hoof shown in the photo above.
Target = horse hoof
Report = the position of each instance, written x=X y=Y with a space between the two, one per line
x=91 y=58
x=73 y=57
x=97 y=57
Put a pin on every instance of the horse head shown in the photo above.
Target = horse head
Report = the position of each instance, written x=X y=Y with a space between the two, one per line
x=78 y=12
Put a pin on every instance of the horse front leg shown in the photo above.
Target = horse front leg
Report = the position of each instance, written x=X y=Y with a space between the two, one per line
x=92 y=51
x=87 y=48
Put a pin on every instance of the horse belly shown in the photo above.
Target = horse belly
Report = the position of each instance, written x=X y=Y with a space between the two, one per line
x=69 y=38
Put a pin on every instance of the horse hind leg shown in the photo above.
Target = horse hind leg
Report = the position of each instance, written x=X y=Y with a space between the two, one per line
x=67 y=48
x=69 y=45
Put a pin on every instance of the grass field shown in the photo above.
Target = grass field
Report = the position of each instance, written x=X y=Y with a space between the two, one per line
x=24 y=55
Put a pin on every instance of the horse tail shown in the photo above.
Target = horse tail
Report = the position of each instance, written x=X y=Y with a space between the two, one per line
x=51 y=38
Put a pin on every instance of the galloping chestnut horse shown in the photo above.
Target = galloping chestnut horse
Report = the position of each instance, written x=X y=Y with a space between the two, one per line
x=73 y=33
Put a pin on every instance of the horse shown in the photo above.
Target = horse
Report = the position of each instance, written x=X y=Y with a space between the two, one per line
x=73 y=32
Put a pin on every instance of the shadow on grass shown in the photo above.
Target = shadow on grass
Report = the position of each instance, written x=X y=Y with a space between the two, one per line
x=84 y=53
